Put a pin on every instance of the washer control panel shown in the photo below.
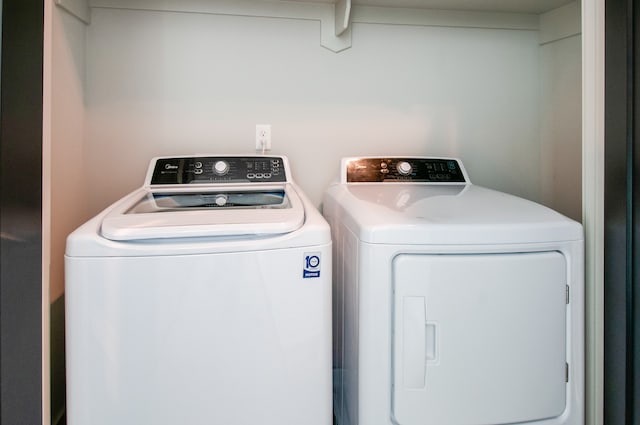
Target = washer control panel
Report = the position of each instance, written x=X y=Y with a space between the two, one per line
x=405 y=169
x=223 y=169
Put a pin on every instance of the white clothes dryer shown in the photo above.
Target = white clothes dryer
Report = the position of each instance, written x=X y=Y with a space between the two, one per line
x=203 y=297
x=453 y=304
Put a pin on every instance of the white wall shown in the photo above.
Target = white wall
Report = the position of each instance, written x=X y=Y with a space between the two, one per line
x=561 y=92
x=69 y=205
x=162 y=83
x=561 y=130
x=65 y=201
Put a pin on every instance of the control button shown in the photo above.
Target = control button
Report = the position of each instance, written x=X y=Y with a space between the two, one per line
x=198 y=171
x=267 y=175
x=221 y=200
x=251 y=176
x=383 y=165
x=259 y=175
x=221 y=168
x=404 y=168
x=198 y=164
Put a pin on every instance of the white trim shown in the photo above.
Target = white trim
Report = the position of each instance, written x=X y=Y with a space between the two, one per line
x=593 y=201
x=46 y=208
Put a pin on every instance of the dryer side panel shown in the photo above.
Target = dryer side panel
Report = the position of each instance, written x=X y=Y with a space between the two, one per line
x=479 y=339
x=345 y=326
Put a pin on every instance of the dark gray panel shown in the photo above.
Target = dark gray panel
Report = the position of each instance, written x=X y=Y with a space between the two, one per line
x=58 y=382
x=615 y=213
x=622 y=191
x=20 y=213
x=634 y=258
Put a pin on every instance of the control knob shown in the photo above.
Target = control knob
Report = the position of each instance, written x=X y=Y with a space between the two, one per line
x=221 y=200
x=404 y=168
x=221 y=168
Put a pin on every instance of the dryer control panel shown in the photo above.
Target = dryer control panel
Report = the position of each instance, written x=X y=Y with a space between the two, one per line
x=402 y=169
x=217 y=169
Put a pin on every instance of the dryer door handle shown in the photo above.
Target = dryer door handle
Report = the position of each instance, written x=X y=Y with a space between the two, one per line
x=414 y=342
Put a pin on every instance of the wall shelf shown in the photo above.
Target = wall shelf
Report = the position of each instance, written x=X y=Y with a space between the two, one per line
x=337 y=16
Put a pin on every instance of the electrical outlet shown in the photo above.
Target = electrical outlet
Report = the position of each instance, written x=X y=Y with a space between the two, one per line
x=263 y=137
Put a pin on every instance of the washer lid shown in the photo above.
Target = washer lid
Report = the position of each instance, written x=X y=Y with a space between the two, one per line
x=210 y=211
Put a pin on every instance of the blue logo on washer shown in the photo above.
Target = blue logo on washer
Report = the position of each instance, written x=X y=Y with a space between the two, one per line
x=311 y=266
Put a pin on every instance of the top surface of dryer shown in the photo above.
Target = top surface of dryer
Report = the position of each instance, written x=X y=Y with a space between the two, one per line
x=419 y=200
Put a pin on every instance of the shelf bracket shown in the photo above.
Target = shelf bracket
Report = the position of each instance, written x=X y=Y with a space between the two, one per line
x=335 y=32
x=343 y=13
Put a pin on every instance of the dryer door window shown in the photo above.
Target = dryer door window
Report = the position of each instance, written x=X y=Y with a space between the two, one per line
x=479 y=339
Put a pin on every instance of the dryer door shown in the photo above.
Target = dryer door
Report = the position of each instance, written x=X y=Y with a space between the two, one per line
x=479 y=339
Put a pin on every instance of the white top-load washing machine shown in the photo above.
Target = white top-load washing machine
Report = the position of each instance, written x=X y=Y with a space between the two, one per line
x=454 y=304
x=204 y=297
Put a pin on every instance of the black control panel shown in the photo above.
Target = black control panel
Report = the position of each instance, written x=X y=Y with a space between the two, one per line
x=226 y=169
x=430 y=170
